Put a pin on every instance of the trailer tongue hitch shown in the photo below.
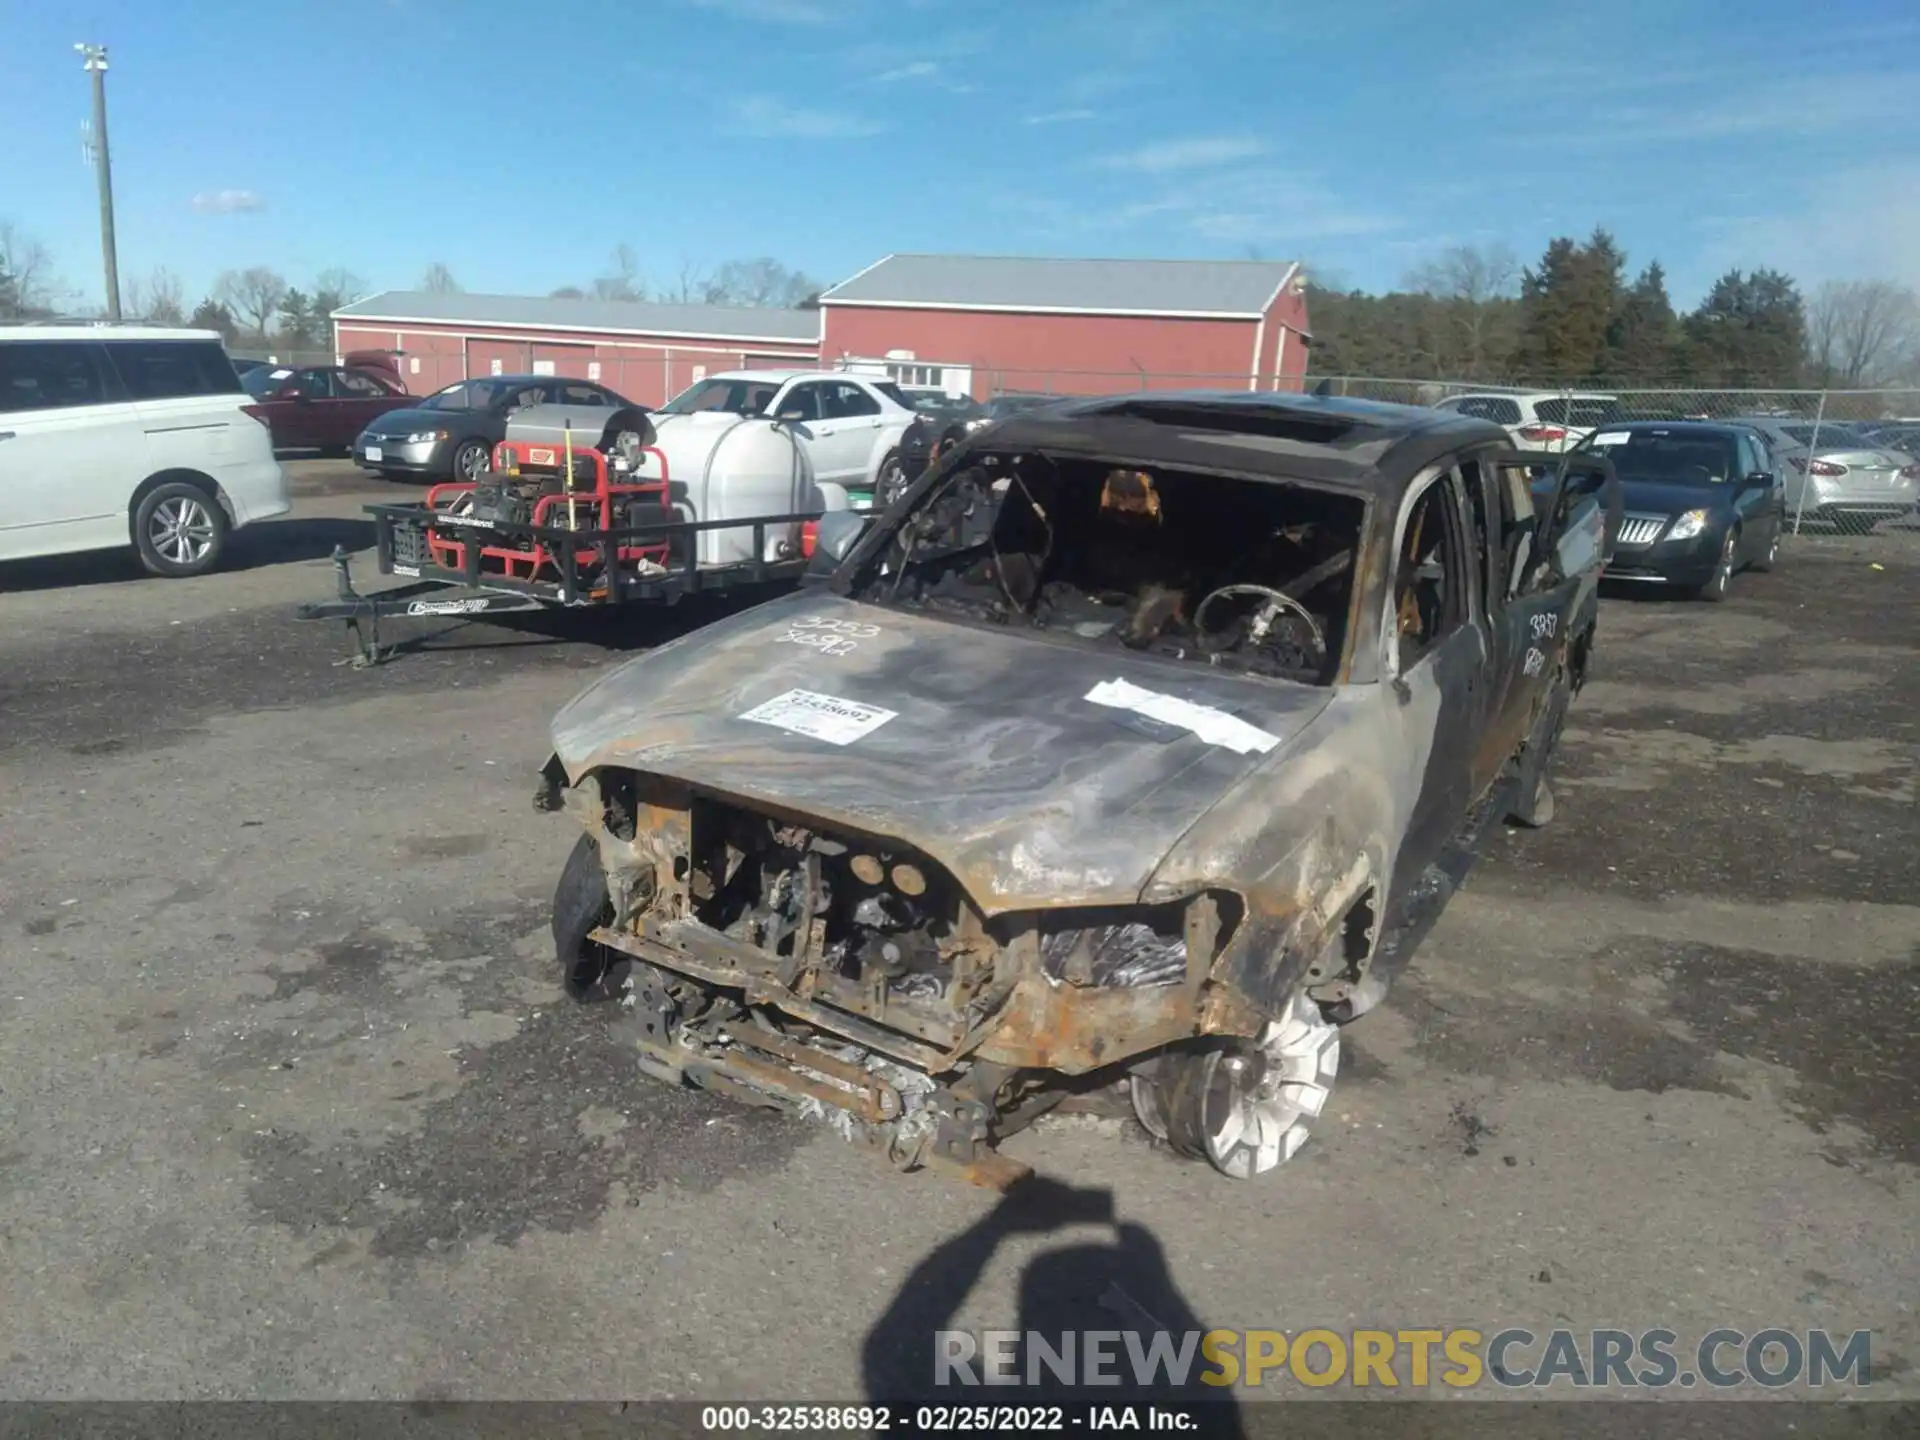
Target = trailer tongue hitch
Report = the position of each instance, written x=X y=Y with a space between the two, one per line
x=366 y=644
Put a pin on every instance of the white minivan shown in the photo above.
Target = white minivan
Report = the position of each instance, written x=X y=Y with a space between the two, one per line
x=111 y=434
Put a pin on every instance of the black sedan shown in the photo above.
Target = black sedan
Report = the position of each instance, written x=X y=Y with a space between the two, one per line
x=1702 y=502
x=451 y=433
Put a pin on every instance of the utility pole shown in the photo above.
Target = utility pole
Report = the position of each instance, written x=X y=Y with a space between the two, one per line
x=94 y=61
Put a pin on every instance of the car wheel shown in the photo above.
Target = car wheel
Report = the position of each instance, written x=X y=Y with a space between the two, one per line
x=179 y=529
x=588 y=971
x=471 y=460
x=1245 y=1108
x=891 y=481
x=1768 y=558
x=1721 y=581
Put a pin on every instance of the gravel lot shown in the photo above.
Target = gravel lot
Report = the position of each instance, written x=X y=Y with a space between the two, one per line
x=290 y=1105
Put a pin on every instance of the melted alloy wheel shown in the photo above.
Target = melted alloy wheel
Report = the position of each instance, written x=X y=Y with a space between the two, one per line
x=1244 y=1109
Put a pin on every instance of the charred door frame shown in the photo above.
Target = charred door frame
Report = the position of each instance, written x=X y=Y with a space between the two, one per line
x=1459 y=663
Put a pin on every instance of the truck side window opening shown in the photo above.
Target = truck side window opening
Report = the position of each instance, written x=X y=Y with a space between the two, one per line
x=1480 y=530
x=1518 y=525
x=1429 y=589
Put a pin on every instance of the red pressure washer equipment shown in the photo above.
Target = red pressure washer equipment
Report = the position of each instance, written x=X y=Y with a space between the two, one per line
x=520 y=491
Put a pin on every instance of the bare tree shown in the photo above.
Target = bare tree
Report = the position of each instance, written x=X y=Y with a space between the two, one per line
x=28 y=268
x=438 y=280
x=764 y=282
x=158 y=297
x=624 y=282
x=253 y=294
x=1863 y=332
x=1474 y=283
x=691 y=286
x=341 y=282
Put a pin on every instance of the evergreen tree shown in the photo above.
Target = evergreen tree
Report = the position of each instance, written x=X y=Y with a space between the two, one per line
x=1749 y=333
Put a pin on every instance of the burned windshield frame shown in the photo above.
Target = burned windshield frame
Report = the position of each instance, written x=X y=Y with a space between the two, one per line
x=878 y=565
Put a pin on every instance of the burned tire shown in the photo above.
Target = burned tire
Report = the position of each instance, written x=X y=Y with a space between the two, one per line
x=588 y=971
x=1533 y=808
x=1246 y=1108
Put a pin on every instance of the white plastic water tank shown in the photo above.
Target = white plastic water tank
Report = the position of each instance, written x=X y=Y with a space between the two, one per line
x=724 y=467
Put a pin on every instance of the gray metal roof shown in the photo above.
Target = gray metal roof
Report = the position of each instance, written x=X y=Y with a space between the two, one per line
x=630 y=317
x=1238 y=288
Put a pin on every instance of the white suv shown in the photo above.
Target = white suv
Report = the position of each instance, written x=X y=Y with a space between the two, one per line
x=1539 y=419
x=111 y=434
x=849 y=427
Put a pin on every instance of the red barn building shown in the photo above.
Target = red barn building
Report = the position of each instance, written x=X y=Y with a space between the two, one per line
x=984 y=324
x=969 y=324
x=646 y=352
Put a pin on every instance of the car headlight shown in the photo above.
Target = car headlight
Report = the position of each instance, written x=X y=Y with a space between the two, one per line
x=422 y=437
x=1688 y=525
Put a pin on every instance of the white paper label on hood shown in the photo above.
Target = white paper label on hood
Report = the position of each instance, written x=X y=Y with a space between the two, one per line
x=820 y=717
x=1216 y=727
x=1612 y=437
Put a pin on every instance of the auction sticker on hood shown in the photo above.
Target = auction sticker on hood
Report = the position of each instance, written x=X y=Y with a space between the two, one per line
x=820 y=717
x=1612 y=437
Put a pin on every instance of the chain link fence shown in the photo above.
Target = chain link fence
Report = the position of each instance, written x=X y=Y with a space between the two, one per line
x=1849 y=459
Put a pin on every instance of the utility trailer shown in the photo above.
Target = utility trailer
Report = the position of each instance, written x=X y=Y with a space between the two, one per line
x=553 y=527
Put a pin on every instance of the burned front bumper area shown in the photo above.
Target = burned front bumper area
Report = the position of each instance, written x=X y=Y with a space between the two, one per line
x=853 y=974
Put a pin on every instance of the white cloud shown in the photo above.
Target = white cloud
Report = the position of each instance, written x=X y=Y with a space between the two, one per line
x=763 y=117
x=772 y=12
x=1260 y=206
x=1857 y=106
x=1860 y=222
x=1168 y=156
x=228 y=202
x=918 y=70
x=1059 y=117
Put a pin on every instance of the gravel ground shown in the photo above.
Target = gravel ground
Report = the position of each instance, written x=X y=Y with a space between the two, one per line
x=290 y=1105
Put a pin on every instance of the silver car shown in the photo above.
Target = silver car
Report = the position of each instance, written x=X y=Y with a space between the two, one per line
x=1837 y=475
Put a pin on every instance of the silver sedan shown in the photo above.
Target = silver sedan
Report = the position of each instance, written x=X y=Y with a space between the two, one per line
x=1839 y=476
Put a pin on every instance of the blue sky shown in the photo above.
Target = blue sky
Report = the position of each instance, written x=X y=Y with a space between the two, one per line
x=519 y=141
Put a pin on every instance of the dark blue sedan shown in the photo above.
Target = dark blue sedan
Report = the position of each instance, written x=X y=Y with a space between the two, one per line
x=1702 y=502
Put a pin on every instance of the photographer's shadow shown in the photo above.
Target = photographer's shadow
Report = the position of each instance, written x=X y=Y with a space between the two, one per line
x=1123 y=1285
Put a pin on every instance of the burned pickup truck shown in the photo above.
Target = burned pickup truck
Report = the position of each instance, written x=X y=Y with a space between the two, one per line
x=1137 y=743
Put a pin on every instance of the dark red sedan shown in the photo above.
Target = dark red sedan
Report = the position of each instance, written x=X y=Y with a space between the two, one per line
x=323 y=407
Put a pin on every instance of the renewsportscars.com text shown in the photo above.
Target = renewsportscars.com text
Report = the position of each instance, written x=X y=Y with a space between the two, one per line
x=1412 y=1359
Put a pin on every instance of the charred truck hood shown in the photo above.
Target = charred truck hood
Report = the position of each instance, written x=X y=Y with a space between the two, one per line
x=992 y=762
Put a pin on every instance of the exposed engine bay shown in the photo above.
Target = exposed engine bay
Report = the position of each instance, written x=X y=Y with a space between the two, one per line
x=1249 y=576
x=854 y=977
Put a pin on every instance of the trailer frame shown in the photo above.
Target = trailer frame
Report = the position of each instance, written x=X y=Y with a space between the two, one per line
x=591 y=568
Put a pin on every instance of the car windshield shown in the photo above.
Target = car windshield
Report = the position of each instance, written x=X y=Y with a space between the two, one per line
x=264 y=379
x=733 y=397
x=1180 y=564
x=1831 y=437
x=1583 y=410
x=938 y=403
x=893 y=392
x=470 y=395
x=1669 y=457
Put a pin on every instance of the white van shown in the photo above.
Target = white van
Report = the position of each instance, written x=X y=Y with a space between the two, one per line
x=111 y=434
